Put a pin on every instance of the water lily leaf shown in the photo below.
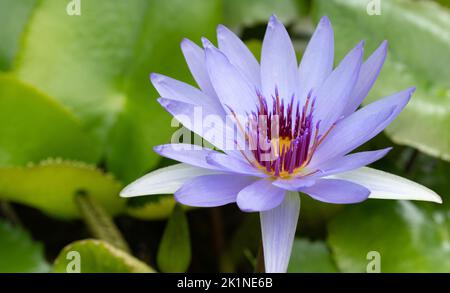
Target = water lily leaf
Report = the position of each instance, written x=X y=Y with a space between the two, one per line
x=13 y=18
x=96 y=256
x=310 y=257
x=98 y=64
x=419 y=47
x=19 y=253
x=52 y=185
x=34 y=127
x=174 y=253
x=152 y=207
x=404 y=236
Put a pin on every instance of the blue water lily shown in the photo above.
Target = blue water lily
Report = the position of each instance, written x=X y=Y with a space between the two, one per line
x=262 y=168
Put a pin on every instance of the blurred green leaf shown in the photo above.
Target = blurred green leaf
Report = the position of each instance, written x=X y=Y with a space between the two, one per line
x=152 y=207
x=174 y=253
x=13 y=18
x=52 y=185
x=310 y=257
x=98 y=63
x=34 y=127
x=419 y=52
x=407 y=238
x=250 y=12
x=19 y=253
x=97 y=256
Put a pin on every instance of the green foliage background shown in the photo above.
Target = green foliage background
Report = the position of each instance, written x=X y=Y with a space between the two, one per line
x=78 y=115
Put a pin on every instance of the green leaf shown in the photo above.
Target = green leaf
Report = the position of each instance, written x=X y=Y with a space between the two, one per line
x=13 y=18
x=152 y=207
x=33 y=127
x=250 y=12
x=310 y=257
x=97 y=256
x=418 y=53
x=98 y=64
x=174 y=253
x=18 y=252
x=407 y=238
x=52 y=185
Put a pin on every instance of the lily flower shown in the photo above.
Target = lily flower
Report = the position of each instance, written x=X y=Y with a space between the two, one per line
x=318 y=124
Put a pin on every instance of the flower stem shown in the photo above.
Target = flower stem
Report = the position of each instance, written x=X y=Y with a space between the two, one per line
x=99 y=222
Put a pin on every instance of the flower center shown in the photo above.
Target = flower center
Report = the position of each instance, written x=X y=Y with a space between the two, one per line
x=283 y=139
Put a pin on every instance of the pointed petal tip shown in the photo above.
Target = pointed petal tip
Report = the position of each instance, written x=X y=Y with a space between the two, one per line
x=207 y=43
x=128 y=191
x=158 y=149
x=156 y=77
x=324 y=21
x=221 y=29
x=273 y=21
x=185 y=42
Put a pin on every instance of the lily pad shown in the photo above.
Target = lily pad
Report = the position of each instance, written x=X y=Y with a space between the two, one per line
x=19 y=253
x=34 y=127
x=152 y=207
x=310 y=257
x=96 y=256
x=402 y=235
x=52 y=185
x=419 y=46
x=13 y=18
x=98 y=63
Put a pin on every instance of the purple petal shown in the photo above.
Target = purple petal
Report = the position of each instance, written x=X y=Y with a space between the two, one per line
x=187 y=153
x=333 y=95
x=278 y=62
x=260 y=196
x=239 y=55
x=317 y=61
x=352 y=161
x=337 y=191
x=233 y=164
x=176 y=90
x=234 y=89
x=192 y=117
x=212 y=190
x=195 y=58
x=361 y=126
x=294 y=184
x=367 y=77
x=278 y=227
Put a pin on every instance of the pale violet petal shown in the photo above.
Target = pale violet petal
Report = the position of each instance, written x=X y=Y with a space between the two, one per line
x=336 y=191
x=367 y=76
x=317 y=61
x=195 y=58
x=384 y=185
x=164 y=181
x=233 y=89
x=278 y=227
x=278 y=63
x=176 y=90
x=239 y=55
x=212 y=190
x=332 y=96
x=260 y=196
